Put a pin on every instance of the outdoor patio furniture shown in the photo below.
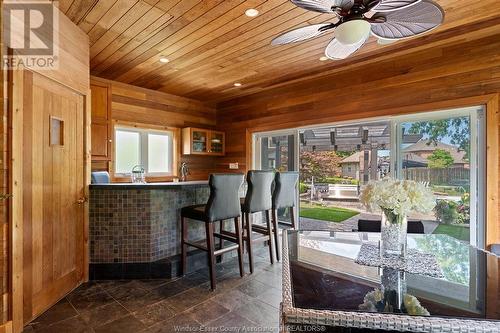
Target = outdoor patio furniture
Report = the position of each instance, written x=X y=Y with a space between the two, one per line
x=414 y=227
x=324 y=287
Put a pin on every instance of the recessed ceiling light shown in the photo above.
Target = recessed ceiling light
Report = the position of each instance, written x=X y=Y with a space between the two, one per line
x=164 y=60
x=237 y=84
x=323 y=58
x=252 y=12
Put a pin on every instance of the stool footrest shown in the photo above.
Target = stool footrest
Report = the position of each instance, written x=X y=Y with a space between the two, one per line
x=224 y=236
x=258 y=239
x=197 y=245
x=226 y=249
x=260 y=229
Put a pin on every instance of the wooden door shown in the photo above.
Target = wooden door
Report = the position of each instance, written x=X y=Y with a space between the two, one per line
x=53 y=189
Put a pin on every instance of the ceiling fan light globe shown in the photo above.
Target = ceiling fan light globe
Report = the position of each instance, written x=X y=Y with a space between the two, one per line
x=384 y=41
x=352 y=32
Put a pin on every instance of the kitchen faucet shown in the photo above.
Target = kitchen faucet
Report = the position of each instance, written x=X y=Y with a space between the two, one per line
x=184 y=171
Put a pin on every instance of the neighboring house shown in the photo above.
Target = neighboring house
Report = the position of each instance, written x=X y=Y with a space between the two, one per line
x=412 y=160
x=353 y=166
x=414 y=156
x=420 y=151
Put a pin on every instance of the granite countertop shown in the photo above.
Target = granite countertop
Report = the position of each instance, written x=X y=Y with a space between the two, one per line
x=150 y=186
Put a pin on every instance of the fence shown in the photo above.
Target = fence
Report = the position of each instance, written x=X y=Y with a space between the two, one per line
x=447 y=176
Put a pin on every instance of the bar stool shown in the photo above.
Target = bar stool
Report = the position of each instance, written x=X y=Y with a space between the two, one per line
x=284 y=196
x=495 y=248
x=258 y=199
x=223 y=203
x=99 y=177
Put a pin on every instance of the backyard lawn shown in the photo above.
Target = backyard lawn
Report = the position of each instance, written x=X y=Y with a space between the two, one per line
x=455 y=231
x=332 y=214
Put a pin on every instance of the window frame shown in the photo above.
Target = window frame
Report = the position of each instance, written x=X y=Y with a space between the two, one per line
x=144 y=130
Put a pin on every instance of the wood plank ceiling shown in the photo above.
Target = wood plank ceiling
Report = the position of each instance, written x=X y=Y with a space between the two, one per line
x=212 y=44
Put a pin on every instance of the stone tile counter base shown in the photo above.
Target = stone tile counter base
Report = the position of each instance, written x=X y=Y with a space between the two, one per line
x=135 y=230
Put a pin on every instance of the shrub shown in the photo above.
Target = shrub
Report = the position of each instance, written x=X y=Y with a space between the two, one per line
x=446 y=211
x=338 y=180
x=463 y=209
x=303 y=188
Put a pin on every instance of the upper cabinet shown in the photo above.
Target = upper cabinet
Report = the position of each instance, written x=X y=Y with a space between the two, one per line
x=199 y=141
x=101 y=121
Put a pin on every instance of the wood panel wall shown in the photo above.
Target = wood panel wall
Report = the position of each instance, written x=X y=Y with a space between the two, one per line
x=442 y=76
x=149 y=107
x=492 y=287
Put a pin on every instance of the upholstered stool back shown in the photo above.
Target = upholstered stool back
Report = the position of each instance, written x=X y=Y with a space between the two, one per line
x=224 y=200
x=99 y=177
x=259 y=192
x=285 y=187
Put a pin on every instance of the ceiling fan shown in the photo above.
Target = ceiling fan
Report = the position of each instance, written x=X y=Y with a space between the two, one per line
x=385 y=19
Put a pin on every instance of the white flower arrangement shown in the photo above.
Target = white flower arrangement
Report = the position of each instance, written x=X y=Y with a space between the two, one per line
x=413 y=306
x=374 y=301
x=398 y=197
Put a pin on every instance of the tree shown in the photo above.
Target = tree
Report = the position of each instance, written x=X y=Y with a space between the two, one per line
x=319 y=164
x=451 y=255
x=440 y=159
x=456 y=129
x=344 y=154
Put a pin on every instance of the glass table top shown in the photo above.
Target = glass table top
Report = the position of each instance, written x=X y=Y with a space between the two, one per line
x=324 y=276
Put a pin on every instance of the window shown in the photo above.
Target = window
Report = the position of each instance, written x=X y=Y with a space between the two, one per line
x=128 y=150
x=445 y=151
x=152 y=149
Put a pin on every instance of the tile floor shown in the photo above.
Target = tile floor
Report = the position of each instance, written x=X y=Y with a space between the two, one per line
x=185 y=304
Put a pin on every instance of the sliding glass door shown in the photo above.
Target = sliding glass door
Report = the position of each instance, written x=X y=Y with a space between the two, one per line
x=276 y=151
x=445 y=151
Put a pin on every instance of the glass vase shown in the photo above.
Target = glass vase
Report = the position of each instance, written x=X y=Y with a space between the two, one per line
x=393 y=235
x=394 y=287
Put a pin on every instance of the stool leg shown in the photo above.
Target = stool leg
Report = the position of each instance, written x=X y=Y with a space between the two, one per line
x=211 y=249
x=276 y=234
x=237 y=228
x=243 y=232
x=184 y=245
x=270 y=233
x=221 y=241
x=248 y=226
x=292 y=216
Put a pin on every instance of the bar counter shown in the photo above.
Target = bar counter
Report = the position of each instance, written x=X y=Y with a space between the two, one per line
x=156 y=186
x=134 y=228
